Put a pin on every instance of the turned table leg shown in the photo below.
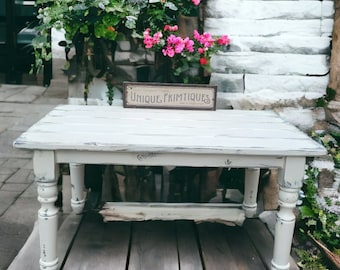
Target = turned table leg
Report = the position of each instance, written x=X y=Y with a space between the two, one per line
x=48 y=225
x=250 y=191
x=290 y=181
x=77 y=183
x=284 y=228
x=46 y=175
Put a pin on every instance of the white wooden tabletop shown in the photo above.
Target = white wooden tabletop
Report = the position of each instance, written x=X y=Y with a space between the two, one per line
x=104 y=128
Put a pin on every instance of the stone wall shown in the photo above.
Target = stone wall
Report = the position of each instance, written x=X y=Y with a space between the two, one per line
x=278 y=58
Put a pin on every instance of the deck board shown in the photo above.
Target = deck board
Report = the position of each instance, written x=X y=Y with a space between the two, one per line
x=188 y=248
x=30 y=253
x=216 y=253
x=66 y=235
x=261 y=238
x=153 y=246
x=243 y=251
x=156 y=245
x=95 y=244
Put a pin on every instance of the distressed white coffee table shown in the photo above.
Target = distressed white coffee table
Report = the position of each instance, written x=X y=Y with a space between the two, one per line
x=224 y=138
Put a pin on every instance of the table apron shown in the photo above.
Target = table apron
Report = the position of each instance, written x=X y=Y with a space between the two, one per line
x=170 y=159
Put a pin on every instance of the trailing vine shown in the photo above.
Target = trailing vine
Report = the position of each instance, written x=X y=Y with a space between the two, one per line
x=320 y=222
x=317 y=223
x=110 y=87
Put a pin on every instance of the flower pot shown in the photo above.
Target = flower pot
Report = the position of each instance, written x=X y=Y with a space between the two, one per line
x=187 y=25
x=97 y=94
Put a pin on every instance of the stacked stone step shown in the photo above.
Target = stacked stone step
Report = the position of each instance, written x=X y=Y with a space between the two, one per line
x=134 y=61
x=279 y=54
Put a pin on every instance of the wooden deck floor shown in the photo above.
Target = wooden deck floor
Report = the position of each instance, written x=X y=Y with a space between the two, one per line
x=154 y=245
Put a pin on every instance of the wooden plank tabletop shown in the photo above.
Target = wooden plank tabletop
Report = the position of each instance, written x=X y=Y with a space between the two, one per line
x=104 y=128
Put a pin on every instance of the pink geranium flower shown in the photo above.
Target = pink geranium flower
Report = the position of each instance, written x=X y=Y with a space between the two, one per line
x=177 y=43
x=149 y=41
x=223 y=40
x=196 y=2
x=168 y=51
x=186 y=52
x=197 y=35
x=205 y=39
x=170 y=28
x=189 y=45
x=201 y=50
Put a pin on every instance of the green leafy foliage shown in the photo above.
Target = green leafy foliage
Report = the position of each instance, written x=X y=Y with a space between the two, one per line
x=309 y=261
x=330 y=95
x=331 y=142
x=89 y=22
x=317 y=221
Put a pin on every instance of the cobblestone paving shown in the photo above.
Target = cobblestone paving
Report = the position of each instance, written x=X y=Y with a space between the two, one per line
x=20 y=107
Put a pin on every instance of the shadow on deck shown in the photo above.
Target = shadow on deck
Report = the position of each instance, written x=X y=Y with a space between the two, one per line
x=154 y=245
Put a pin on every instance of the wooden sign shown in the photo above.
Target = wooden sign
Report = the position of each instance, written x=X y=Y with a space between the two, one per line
x=170 y=96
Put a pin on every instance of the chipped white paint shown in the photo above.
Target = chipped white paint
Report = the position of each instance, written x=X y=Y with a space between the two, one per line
x=77 y=172
x=251 y=179
x=102 y=128
x=41 y=161
x=222 y=138
x=115 y=211
x=284 y=228
x=48 y=225
x=46 y=173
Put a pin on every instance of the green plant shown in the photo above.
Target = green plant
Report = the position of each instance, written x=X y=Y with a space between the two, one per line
x=319 y=222
x=92 y=28
x=188 y=7
x=82 y=21
x=318 y=225
x=185 y=53
x=330 y=95
x=331 y=142
x=308 y=261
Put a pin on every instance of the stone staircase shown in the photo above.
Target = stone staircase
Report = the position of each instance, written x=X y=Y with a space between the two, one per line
x=278 y=58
